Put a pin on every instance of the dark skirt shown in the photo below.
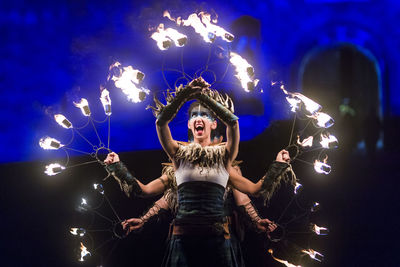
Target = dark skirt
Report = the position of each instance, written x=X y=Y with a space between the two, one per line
x=200 y=251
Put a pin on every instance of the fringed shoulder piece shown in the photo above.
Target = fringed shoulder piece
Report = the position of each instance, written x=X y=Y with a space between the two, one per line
x=277 y=172
x=168 y=169
x=171 y=194
x=206 y=156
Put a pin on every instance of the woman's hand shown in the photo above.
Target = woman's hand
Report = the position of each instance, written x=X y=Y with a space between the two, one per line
x=111 y=158
x=132 y=224
x=283 y=156
x=266 y=225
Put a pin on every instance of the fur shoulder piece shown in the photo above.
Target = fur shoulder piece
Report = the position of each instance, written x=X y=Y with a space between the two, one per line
x=206 y=156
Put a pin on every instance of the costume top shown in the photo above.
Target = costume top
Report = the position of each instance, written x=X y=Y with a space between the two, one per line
x=201 y=178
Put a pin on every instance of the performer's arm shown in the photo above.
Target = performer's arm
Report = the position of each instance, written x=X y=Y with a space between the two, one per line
x=247 y=208
x=223 y=109
x=133 y=224
x=276 y=169
x=128 y=183
x=165 y=113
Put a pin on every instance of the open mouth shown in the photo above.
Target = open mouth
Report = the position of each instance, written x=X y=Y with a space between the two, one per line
x=199 y=130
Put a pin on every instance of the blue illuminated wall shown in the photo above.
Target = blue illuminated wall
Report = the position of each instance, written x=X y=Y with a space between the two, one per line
x=55 y=52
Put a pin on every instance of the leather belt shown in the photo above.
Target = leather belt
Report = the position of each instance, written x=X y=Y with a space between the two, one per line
x=197 y=230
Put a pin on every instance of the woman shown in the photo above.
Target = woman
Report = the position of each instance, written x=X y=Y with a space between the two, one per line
x=200 y=235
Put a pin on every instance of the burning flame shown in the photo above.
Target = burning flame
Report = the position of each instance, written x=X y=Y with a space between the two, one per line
x=323 y=120
x=315 y=255
x=53 y=169
x=328 y=141
x=286 y=263
x=163 y=37
x=244 y=72
x=61 y=120
x=307 y=142
x=295 y=99
x=319 y=230
x=297 y=188
x=83 y=104
x=49 y=143
x=217 y=30
x=203 y=25
x=106 y=101
x=99 y=188
x=127 y=80
x=178 y=20
x=194 y=21
x=84 y=252
x=322 y=167
x=78 y=231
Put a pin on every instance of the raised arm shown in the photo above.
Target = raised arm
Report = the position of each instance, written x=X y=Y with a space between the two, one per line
x=129 y=184
x=165 y=113
x=223 y=108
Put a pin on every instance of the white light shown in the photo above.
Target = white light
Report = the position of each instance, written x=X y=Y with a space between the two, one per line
x=323 y=120
x=106 y=101
x=49 y=143
x=63 y=121
x=78 y=231
x=99 y=188
x=328 y=141
x=244 y=72
x=322 y=167
x=83 y=104
x=298 y=188
x=315 y=255
x=53 y=169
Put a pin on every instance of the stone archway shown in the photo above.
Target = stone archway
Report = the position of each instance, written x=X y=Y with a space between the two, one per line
x=345 y=76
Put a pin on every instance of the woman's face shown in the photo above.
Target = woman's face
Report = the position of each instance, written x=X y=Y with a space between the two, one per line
x=201 y=122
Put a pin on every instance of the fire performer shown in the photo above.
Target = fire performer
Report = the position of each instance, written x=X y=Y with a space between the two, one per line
x=200 y=235
x=236 y=204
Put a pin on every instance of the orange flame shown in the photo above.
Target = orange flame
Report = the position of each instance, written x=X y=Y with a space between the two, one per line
x=286 y=263
x=164 y=37
x=84 y=252
x=244 y=72
x=127 y=80
x=295 y=99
